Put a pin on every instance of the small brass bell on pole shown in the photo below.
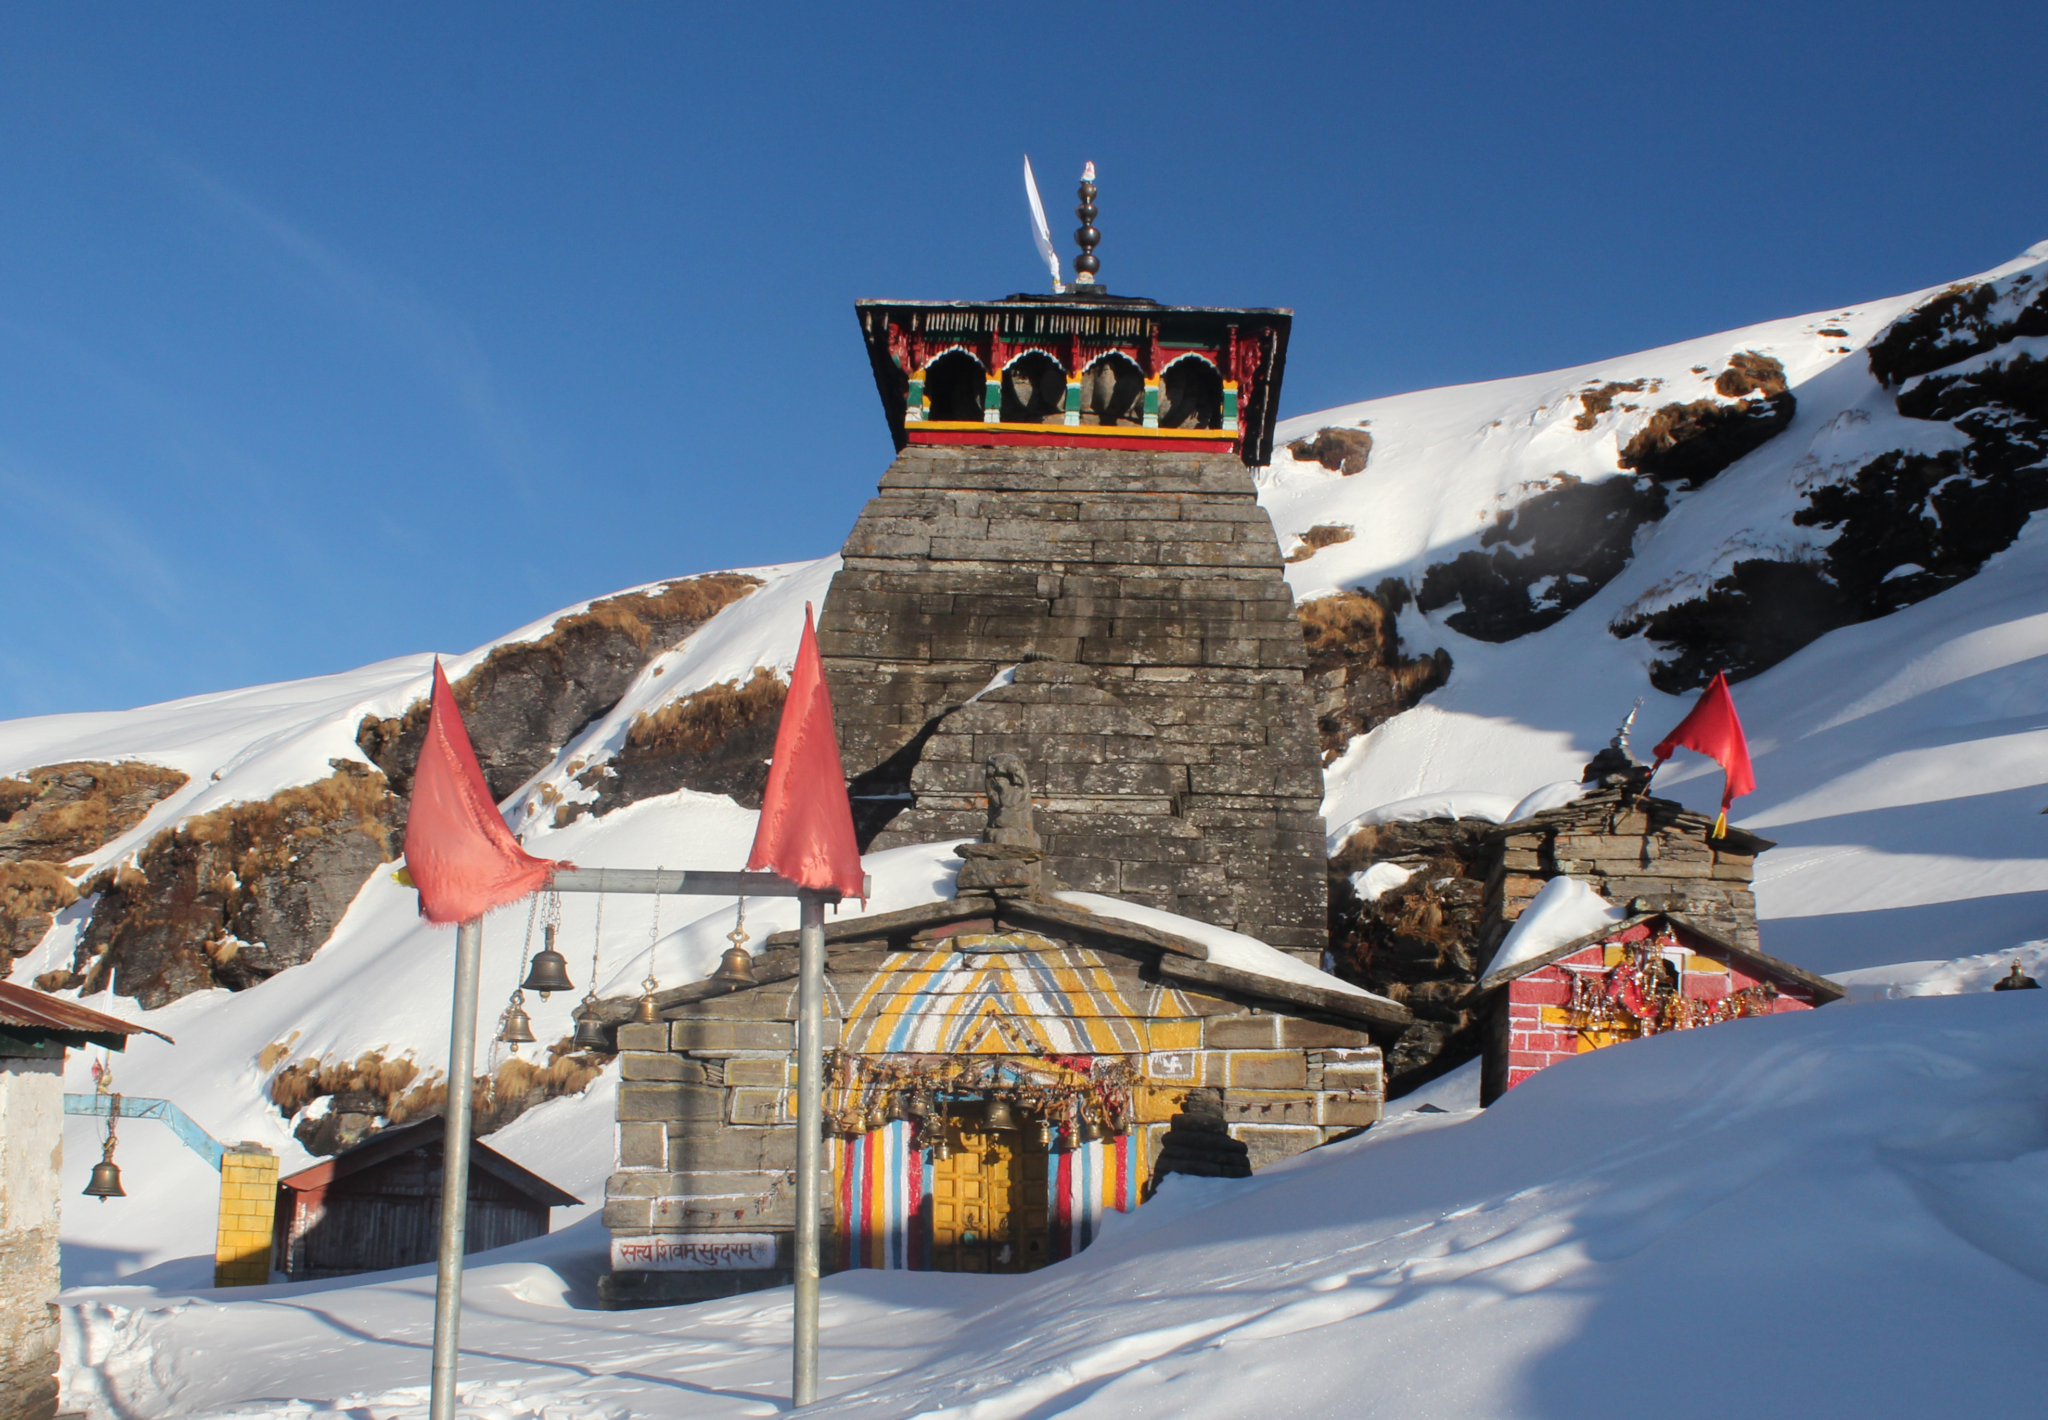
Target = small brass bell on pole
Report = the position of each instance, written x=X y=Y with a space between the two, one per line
x=736 y=966
x=1000 y=1115
x=106 y=1175
x=515 y=1027
x=550 y=970
x=590 y=1032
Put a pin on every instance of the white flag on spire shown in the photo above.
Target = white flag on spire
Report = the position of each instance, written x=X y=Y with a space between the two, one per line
x=1039 y=230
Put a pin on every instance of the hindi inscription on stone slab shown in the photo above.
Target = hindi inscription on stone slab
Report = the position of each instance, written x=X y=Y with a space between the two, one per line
x=693 y=1252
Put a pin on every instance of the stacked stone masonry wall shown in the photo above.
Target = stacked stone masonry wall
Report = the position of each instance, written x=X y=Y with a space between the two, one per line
x=1651 y=853
x=1163 y=711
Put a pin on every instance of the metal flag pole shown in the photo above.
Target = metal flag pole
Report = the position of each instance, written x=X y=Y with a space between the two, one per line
x=469 y=942
x=810 y=1138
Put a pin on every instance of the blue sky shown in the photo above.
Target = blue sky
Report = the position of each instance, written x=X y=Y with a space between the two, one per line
x=329 y=333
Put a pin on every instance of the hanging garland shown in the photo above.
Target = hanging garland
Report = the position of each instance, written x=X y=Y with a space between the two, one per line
x=1639 y=995
x=1075 y=1096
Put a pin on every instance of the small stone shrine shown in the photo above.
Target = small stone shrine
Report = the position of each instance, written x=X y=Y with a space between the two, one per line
x=1632 y=848
x=1687 y=953
x=1005 y=1066
x=1067 y=561
x=1649 y=973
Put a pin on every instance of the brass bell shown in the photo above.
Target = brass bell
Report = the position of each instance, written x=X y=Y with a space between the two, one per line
x=736 y=968
x=106 y=1180
x=644 y=1014
x=1092 y=1131
x=514 y=1027
x=916 y=1105
x=1045 y=1133
x=1000 y=1116
x=590 y=1031
x=550 y=970
x=942 y=1149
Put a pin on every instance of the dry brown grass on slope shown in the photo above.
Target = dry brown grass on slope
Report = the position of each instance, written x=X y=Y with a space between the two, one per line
x=31 y=896
x=1750 y=373
x=1346 y=626
x=1317 y=538
x=400 y=1093
x=700 y=722
x=262 y=835
x=1345 y=451
x=63 y=811
x=1597 y=401
x=692 y=599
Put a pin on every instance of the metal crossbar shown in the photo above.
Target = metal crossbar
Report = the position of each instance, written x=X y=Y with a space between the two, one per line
x=677 y=882
x=135 y=1107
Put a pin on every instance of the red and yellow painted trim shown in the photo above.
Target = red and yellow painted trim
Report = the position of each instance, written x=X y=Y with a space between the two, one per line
x=1071 y=436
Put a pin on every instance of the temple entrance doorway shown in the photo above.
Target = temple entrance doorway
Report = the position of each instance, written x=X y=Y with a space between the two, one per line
x=990 y=1200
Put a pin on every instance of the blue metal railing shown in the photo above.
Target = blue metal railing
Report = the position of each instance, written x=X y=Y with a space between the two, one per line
x=135 y=1107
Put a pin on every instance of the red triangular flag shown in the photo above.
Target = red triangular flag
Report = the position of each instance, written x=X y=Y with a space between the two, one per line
x=806 y=830
x=458 y=852
x=1712 y=728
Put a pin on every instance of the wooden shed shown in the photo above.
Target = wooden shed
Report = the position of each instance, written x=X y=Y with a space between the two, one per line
x=378 y=1205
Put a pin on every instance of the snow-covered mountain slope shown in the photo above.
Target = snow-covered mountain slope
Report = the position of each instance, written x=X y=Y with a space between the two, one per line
x=1901 y=760
x=1842 y=1212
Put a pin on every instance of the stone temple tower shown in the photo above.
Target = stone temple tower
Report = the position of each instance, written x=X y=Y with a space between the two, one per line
x=1067 y=561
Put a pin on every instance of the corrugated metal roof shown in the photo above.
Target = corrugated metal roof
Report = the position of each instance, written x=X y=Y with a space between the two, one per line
x=24 y=1010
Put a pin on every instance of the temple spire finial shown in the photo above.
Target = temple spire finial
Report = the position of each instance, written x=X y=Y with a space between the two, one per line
x=1087 y=264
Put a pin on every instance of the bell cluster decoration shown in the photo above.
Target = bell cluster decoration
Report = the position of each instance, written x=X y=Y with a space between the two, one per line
x=1059 y=1102
x=1640 y=995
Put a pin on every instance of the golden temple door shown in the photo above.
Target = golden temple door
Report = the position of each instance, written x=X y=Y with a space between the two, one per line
x=990 y=1202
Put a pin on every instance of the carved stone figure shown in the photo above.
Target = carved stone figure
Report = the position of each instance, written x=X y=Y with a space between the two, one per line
x=1009 y=801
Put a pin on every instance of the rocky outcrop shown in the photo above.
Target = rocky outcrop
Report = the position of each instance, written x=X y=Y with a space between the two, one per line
x=1543 y=557
x=717 y=741
x=1345 y=451
x=1419 y=942
x=1355 y=666
x=31 y=896
x=1551 y=552
x=65 y=811
x=51 y=815
x=234 y=896
x=1902 y=525
x=529 y=698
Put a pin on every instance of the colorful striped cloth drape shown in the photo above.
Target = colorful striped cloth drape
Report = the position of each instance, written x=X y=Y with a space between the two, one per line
x=884 y=1203
x=1089 y=1180
x=885 y=1209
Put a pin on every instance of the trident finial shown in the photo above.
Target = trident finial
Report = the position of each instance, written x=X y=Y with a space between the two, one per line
x=1620 y=740
x=1086 y=264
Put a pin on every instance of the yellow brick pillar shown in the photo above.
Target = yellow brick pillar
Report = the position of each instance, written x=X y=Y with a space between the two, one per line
x=248 y=1205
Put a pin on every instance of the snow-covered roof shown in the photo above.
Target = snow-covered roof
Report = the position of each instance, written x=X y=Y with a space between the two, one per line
x=1564 y=911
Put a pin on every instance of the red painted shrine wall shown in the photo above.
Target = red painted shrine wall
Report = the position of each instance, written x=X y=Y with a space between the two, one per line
x=1538 y=1031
